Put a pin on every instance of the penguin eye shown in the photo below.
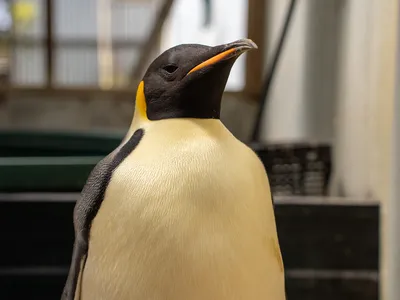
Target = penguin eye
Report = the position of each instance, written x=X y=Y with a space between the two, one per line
x=170 y=68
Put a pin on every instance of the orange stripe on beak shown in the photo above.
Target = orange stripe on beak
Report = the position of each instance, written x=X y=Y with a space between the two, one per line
x=212 y=60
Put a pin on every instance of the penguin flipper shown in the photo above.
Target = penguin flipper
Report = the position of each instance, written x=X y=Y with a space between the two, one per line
x=87 y=207
x=84 y=213
x=79 y=256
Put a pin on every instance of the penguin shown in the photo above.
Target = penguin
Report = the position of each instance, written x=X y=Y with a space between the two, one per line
x=181 y=209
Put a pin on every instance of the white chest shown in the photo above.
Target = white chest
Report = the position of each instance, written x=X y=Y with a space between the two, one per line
x=188 y=218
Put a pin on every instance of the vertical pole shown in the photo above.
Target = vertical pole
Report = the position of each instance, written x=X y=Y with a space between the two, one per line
x=256 y=28
x=393 y=211
x=104 y=45
x=49 y=42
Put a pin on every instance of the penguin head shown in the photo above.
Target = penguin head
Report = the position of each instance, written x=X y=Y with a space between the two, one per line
x=187 y=81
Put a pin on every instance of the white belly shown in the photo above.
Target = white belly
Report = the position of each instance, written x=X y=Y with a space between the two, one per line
x=186 y=216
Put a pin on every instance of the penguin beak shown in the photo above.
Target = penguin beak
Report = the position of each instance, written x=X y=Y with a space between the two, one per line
x=224 y=52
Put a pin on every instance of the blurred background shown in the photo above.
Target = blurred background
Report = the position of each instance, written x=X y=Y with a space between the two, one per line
x=325 y=121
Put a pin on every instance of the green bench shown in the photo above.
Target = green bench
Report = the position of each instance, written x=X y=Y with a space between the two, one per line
x=50 y=161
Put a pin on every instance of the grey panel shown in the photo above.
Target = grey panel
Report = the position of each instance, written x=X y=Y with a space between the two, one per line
x=28 y=66
x=76 y=66
x=75 y=19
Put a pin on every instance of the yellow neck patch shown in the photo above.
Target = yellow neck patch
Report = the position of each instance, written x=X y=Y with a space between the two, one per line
x=141 y=106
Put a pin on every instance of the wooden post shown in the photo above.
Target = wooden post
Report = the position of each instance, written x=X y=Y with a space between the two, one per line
x=255 y=59
x=49 y=42
x=393 y=206
x=105 y=44
x=382 y=142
